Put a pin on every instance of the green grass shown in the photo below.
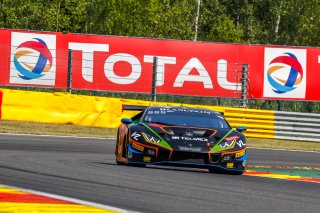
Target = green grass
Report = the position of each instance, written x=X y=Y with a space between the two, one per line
x=20 y=127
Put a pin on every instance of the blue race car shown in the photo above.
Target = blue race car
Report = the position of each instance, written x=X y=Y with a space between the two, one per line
x=181 y=136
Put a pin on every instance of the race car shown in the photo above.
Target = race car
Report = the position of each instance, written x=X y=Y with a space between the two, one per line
x=181 y=136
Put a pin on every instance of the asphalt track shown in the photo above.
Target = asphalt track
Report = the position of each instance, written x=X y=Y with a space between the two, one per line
x=85 y=169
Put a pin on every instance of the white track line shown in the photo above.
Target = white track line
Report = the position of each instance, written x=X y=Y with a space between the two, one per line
x=54 y=136
x=72 y=200
x=289 y=150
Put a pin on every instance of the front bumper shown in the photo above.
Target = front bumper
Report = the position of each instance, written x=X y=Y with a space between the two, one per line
x=224 y=161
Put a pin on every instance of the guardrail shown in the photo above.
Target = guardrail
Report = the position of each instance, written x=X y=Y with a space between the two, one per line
x=259 y=123
x=297 y=126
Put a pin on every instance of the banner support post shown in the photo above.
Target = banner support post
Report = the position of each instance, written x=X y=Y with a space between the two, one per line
x=69 y=82
x=1 y=95
x=154 y=79
x=244 y=85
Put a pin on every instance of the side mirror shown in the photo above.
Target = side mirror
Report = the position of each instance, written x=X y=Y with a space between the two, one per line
x=126 y=121
x=241 y=128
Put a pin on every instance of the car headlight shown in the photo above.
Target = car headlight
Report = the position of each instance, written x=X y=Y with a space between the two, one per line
x=150 y=138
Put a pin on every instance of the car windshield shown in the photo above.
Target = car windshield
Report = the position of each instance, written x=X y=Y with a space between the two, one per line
x=203 y=119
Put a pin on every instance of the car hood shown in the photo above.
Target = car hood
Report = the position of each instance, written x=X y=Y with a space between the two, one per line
x=192 y=139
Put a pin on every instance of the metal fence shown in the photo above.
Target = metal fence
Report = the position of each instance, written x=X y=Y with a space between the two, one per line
x=70 y=82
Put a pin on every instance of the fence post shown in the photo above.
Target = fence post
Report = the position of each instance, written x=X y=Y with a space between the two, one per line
x=244 y=85
x=1 y=95
x=69 y=82
x=154 y=79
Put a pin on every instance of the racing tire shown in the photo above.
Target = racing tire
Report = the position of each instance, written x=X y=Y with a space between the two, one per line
x=116 y=150
x=124 y=152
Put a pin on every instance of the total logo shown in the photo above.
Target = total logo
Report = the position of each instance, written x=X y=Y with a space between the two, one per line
x=44 y=60
x=284 y=73
x=32 y=58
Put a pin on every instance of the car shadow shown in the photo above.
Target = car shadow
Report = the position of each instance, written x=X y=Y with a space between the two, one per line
x=167 y=168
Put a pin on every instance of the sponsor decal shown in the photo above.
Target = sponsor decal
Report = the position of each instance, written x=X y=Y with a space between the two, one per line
x=231 y=138
x=241 y=143
x=146 y=159
x=150 y=138
x=227 y=144
x=33 y=59
x=285 y=73
x=230 y=165
x=189 y=138
x=137 y=147
x=135 y=136
x=169 y=109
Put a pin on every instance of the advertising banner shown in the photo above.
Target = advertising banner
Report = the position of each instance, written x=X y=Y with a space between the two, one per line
x=33 y=59
x=126 y=64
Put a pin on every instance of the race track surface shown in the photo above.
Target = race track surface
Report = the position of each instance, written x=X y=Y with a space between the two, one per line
x=85 y=169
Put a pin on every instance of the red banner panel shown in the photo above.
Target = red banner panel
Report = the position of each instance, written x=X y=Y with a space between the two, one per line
x=33 y=59
x=124 y=64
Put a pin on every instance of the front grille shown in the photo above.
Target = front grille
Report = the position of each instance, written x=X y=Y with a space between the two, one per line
x=190 y=157
x=215 y=158
x=163 y=154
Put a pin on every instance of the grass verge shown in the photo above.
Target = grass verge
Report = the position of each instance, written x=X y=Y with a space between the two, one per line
x=20 y=127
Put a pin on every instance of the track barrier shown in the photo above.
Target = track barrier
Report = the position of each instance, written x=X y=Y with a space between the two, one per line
x=65 y=108
x=61 y=108
x=297 y=126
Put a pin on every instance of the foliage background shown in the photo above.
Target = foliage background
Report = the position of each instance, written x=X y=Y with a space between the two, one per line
x=285 y=22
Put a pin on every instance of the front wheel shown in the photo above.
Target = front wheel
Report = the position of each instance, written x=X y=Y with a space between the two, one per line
x=121 y=152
